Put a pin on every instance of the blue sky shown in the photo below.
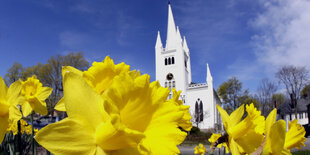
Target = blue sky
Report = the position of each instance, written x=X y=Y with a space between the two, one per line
x=243 y=38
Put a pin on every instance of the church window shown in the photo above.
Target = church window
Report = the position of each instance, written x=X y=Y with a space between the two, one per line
x=169 y=85
x=172 y=60
x=201 y=111
x=173 y=84
x=198 y=111
x=166 y=61
x=169 y=61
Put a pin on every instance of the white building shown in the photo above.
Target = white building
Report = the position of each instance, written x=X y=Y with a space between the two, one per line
x=173 y=70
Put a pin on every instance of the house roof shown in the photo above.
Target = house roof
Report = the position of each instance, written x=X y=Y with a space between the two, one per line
x=288 y=108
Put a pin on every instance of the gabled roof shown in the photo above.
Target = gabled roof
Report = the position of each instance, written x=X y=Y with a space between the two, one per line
x=288 y=108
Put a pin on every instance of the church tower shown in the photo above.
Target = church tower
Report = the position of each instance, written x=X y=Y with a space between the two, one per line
x=173 y=68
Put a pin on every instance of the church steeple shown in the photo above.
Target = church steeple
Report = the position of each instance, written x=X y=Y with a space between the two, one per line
x=179 y=35
x=158 y=41
x=185 y=47
x=209 y=76
x=171 y=31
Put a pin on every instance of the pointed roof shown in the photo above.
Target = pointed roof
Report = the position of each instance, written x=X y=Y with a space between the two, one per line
x=158 y=41
x=179 y=35
x=171 y=31
x=209 y=76
x=185 y=47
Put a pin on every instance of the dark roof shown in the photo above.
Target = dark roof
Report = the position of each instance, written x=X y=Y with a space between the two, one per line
x=288 y=108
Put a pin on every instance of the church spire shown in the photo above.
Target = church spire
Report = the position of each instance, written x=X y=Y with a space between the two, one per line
x=171 y=31
x=158 y=41
x=185 y=47
x=209 y=76
x=179 y=35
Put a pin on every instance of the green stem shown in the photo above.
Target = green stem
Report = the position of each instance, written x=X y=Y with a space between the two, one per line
x=19 y=139
x=34 y=149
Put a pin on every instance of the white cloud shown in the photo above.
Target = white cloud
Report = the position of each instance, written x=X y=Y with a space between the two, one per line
x=72 y=39
x=284 y=33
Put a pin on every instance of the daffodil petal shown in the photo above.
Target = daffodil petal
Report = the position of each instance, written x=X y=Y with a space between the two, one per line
x=100 y=75
x=99 y=151
x=277 y=136
x=125 y=151
x=26 y=109
x=236 y=115
x=234 y=147
x=113 y=135
x=45 y=92
x=225 y=117
x=82 y=101
x=40 y=107
x=295 y=137
x=3 y=90
x=67 y=69
x=3 y=126
x=67 y=137
x=270 y=120
x=250 y=142
x=15 y=113
x=214 y=137
x=60 y=106
x=163 y=140
x=14 y=91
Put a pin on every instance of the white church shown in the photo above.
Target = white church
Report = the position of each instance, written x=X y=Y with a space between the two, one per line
x=173 y=70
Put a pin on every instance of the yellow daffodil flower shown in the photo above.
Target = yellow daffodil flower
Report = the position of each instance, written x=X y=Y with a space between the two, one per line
x=214 y=137
x=247 y=135
x=200 y=149
x=130 y=116
x=99 y=76
x=278 y=141
x=24 y=127
x=35 y=96
x=9 y=111
x=185 y=122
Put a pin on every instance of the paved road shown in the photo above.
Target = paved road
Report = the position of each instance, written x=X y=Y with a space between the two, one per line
x=189 y=150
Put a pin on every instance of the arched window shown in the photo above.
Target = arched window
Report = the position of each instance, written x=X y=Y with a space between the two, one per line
x=201 y=111
x=165 y=84
x=166 y=61
x=172 y=60
x=169 y=61
x=173 y=84
x=196 y=113
x=169 y=85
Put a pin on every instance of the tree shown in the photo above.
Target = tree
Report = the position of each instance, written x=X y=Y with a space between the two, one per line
x=49 y=74
x=265 y=91
x=14 y=73
x=305 y=93
x=278 y=99
x=231 y=92
x=294 y=79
